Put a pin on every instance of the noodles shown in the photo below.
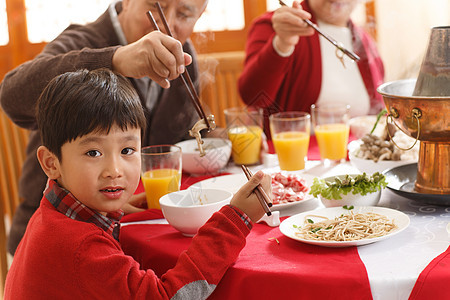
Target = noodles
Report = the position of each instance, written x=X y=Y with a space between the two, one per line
x=348 y=227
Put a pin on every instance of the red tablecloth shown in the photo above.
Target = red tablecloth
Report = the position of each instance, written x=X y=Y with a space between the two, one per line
x=432 y=282
x=265 y=269
x=271 y=270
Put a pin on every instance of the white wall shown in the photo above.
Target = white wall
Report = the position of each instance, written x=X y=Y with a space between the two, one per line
x=403 y=29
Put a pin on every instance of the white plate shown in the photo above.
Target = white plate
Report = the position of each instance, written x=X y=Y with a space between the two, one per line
x=233 y=183
x=400 y=220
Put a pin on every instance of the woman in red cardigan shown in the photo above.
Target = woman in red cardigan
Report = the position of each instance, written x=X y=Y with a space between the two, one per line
x=288 y=66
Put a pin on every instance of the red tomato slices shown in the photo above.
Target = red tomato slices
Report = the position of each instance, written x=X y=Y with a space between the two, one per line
x=288 y=188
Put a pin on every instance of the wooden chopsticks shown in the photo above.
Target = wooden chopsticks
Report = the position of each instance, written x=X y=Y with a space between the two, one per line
x=187 y=81
x=260 y=193
x=338 y=45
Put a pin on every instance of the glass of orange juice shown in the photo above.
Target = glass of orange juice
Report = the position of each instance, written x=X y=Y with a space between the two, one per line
x=331 y=128
x=160 y=172
x=244 y=127
x=290 y=136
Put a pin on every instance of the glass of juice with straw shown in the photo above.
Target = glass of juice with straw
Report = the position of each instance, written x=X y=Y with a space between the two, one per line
x=244 y=128
x=331 y=128
x=290 y=135
x=160 y=172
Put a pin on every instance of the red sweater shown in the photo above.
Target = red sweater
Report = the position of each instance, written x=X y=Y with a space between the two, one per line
x=60 y=258
x=293 y=83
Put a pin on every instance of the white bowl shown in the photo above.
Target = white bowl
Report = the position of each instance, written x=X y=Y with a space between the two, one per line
x=188 y=215
x=217 y=151
x=350 y=199
x=360 y=126
x=368 y=165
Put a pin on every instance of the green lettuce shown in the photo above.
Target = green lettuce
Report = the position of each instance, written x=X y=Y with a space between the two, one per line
x=359 y=184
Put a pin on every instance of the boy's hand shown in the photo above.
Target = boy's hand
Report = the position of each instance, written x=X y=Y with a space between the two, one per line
x=155 y=55
x=245 y=199
x=137 y=203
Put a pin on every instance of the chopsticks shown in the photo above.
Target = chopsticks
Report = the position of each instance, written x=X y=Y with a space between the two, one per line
x=187 y=81
x=260 y=193
x=338 y=45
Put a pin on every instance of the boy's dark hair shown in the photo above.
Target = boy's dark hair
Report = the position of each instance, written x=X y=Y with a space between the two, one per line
x=77 y=103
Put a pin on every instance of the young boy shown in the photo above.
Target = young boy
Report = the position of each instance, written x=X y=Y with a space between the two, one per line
x=91 y=124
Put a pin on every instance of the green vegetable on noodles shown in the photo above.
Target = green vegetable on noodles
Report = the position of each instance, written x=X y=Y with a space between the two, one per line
x=348 y=207
x=360 y=184
x=314 y=230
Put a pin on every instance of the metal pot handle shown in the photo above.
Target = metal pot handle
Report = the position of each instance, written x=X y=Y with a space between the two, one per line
x=393 y=113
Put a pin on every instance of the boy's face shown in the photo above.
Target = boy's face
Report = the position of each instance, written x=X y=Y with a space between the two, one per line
x=101 y=170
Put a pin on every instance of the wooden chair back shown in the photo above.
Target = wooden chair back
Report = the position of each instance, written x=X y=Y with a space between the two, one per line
x=13 y=141
x=218 y=82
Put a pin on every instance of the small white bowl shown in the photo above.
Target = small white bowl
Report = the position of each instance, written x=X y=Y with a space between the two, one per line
x=350 y=199
x=188 y=210
x=217 y=151
x=360 y=126
x=368 y=165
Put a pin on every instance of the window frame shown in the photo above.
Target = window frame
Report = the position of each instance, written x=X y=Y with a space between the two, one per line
x=19 y=49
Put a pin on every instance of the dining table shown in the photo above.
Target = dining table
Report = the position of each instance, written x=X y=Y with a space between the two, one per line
x=413 y=264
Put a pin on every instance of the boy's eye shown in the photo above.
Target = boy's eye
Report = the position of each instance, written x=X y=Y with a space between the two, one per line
x=93 y=153
x=127 y=151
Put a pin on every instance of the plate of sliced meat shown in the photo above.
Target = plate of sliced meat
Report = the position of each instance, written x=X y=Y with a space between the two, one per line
x=288 y=189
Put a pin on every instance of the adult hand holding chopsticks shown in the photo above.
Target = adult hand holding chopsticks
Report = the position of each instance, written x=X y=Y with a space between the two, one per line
x=289 y=25
x=246 y=199
x=155 y=55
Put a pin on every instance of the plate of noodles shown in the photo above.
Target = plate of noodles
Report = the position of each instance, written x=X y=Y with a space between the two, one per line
x=345 y=226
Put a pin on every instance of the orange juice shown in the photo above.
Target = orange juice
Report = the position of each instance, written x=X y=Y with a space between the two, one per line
x=159 y=182
x=332 y=140
x=291 y=148
x=245 y=144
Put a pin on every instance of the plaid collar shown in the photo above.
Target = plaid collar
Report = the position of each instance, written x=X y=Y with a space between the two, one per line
x=67 y=204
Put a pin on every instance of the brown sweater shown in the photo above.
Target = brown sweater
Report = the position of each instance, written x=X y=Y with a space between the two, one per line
x=89 y=46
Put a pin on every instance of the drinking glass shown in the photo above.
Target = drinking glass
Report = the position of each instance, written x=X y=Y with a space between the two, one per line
x=331 y=128
x=244 y=127
x=290 y=135
x=160 y=172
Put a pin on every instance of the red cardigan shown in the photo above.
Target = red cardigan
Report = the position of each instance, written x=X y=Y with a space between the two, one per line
x=293 y=83
x=60 y=258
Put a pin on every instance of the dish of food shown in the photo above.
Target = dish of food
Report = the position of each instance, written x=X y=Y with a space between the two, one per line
x=350 y=189
x=370 y=166
x=287 y=189
x=293 y=226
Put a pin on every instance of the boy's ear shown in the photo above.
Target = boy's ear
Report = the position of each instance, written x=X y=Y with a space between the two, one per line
x=49 y=162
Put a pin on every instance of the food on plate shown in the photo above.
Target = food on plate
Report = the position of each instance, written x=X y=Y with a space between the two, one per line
x=359 y=184
x=346 y=227
x=288 y=188
x=379 y=147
